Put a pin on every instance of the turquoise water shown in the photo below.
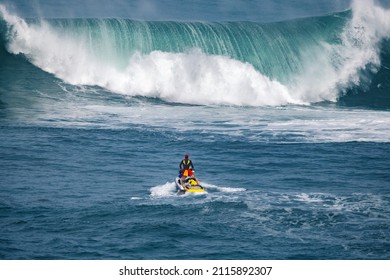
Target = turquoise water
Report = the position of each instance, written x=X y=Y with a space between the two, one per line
x=286 y=120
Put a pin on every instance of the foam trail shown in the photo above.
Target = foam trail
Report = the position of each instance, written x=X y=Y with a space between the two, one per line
x=223 y=189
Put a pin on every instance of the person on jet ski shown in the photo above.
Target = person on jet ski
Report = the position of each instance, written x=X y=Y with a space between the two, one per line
x=186 y=168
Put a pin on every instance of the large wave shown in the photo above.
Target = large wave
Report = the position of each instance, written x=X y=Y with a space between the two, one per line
x=235 y=63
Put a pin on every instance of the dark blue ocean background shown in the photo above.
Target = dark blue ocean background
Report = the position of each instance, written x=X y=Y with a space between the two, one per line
x=283 y=106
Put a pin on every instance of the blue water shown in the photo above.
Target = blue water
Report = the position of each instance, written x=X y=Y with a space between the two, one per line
x=283 y=108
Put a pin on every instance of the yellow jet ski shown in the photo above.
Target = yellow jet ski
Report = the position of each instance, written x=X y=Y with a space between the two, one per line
x=190 y=184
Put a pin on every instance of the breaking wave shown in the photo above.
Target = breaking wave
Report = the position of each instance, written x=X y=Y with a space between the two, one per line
x=343 y=57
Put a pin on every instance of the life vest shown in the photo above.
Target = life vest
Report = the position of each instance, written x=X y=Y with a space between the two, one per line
x=186 y=163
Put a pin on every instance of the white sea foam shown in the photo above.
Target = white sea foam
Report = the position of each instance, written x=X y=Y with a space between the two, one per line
x=310 y=198
x=297 y=124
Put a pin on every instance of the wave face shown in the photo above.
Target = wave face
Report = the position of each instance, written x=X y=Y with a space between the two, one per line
x=342 y=57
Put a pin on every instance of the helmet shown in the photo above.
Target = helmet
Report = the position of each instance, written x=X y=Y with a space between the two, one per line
x=186 y=156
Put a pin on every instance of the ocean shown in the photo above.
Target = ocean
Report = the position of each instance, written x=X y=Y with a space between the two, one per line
x=283 y=107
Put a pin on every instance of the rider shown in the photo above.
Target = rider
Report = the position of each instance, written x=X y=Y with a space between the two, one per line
x=186 y=168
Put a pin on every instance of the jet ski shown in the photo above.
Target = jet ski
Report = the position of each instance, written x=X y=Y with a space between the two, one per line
x=190 y=184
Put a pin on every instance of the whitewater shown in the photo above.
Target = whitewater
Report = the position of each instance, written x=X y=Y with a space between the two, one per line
x=287 y=122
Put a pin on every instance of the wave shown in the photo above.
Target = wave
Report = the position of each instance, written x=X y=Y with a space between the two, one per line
x=341 y=57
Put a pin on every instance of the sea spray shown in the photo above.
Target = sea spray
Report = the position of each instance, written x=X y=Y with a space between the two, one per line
x=341 y=66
